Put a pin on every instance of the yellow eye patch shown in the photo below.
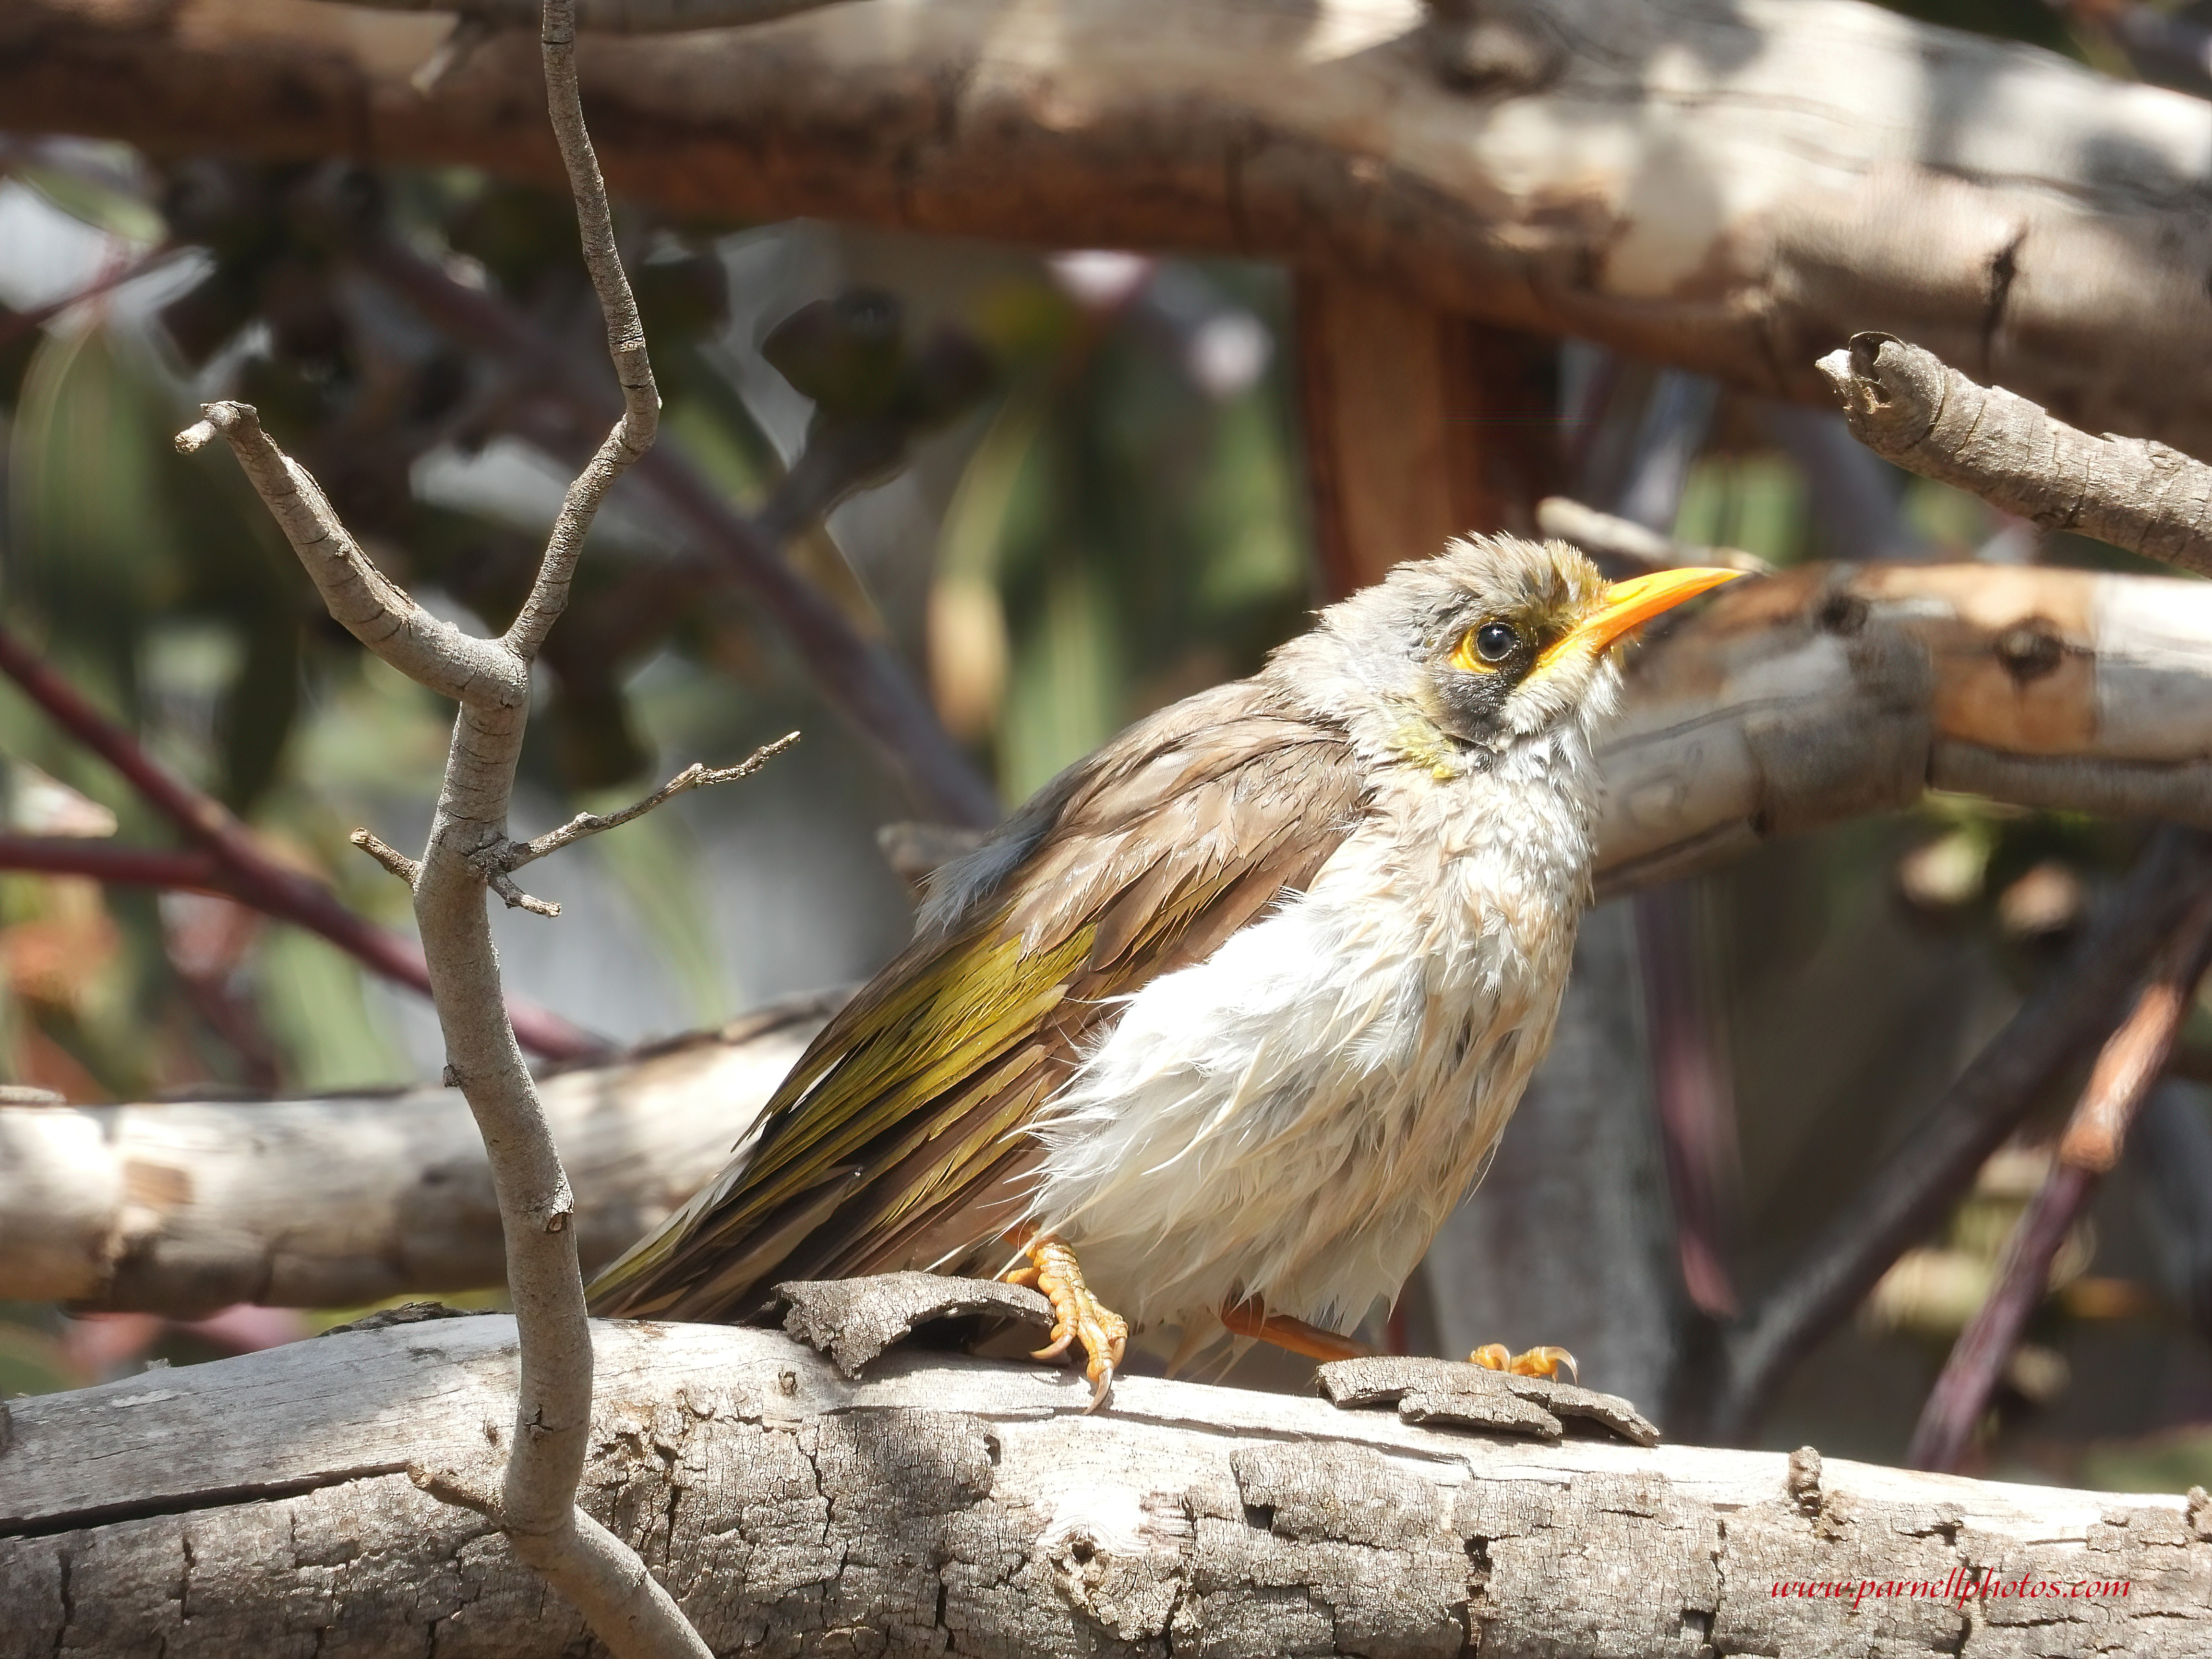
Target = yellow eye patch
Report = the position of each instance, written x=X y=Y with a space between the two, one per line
x=1486 y=647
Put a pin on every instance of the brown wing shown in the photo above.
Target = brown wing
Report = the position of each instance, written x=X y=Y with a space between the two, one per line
x=911 y=1104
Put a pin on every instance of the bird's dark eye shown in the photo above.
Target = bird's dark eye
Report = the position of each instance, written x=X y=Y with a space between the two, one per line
x=1486 y=647
x=1495 y=641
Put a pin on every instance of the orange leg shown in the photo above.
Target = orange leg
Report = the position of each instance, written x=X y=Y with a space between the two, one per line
x=1251 y=1318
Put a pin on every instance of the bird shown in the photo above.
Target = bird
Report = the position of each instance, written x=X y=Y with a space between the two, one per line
x=1216 y=1029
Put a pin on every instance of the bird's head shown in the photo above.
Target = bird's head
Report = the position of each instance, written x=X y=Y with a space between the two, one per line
x=1495 y=645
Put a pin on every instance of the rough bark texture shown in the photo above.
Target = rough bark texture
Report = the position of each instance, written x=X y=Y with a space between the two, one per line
x=184 y=1207
x=1735 y=185
x=1910 y=407
x=256 y=1506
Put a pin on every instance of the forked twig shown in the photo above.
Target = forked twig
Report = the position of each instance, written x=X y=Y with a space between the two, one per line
x=2130 y=1063
x=697 y=775
x=533 y=1498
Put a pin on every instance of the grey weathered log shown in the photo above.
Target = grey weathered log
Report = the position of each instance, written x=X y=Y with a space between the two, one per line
x=1908 y=406
x=1835 y=690
x=183 y=1207
x=1733 y=186
x=255 y=1505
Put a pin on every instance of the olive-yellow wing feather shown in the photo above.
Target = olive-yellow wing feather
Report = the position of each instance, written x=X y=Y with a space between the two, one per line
x=910 y=1107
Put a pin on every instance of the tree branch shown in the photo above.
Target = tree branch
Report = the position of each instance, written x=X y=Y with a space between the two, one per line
x=1602 y=535
x=633 y=434
x=490 y=679
x=1908 y=406
x=1876 y=171
x=360 y=599
x=2127 y=1068
x=183 y=1207
x=236 y=866
x=1830 y=691
x=944 y=1503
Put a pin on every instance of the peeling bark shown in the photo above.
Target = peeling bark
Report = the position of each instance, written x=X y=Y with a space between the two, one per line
x=1733 y=185
x=258 y=1505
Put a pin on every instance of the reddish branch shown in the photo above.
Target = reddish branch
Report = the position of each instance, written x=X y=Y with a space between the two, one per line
x=2131 y=1062
x=106 y=282
x=226 y=860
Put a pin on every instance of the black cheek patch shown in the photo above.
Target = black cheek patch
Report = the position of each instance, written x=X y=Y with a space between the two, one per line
x=1472 y=707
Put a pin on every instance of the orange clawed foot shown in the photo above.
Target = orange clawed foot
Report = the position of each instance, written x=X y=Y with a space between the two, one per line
x=1536 y=1362
x=1078 y=1315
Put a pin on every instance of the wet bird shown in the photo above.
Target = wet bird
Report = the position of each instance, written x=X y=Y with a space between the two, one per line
x=1218 y=1028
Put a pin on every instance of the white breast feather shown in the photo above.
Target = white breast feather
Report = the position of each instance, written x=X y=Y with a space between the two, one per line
x=1295 y=1116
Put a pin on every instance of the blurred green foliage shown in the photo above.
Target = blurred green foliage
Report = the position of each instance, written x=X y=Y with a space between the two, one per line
x=1141 y=539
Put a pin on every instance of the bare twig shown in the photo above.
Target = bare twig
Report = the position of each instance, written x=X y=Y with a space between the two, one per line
x=231 y=862
x=1926 y=1174
x=697 y=775
x=2135 y=1057
x=536 y=1499
x=1908 y=406
x=407 y=869
x=1606 y=535
x=858 y=676
x=2130 y=1064
x=128 y=866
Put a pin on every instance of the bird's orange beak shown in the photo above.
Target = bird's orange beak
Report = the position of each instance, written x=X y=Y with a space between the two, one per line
x=1623 y=604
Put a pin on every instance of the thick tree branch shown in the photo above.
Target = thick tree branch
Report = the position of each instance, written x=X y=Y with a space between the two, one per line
x=939 y=1502
x=183 y=1207
x=1908 y=406
x=1833 y=690
x=2127 y=1068
x=1733 y=185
